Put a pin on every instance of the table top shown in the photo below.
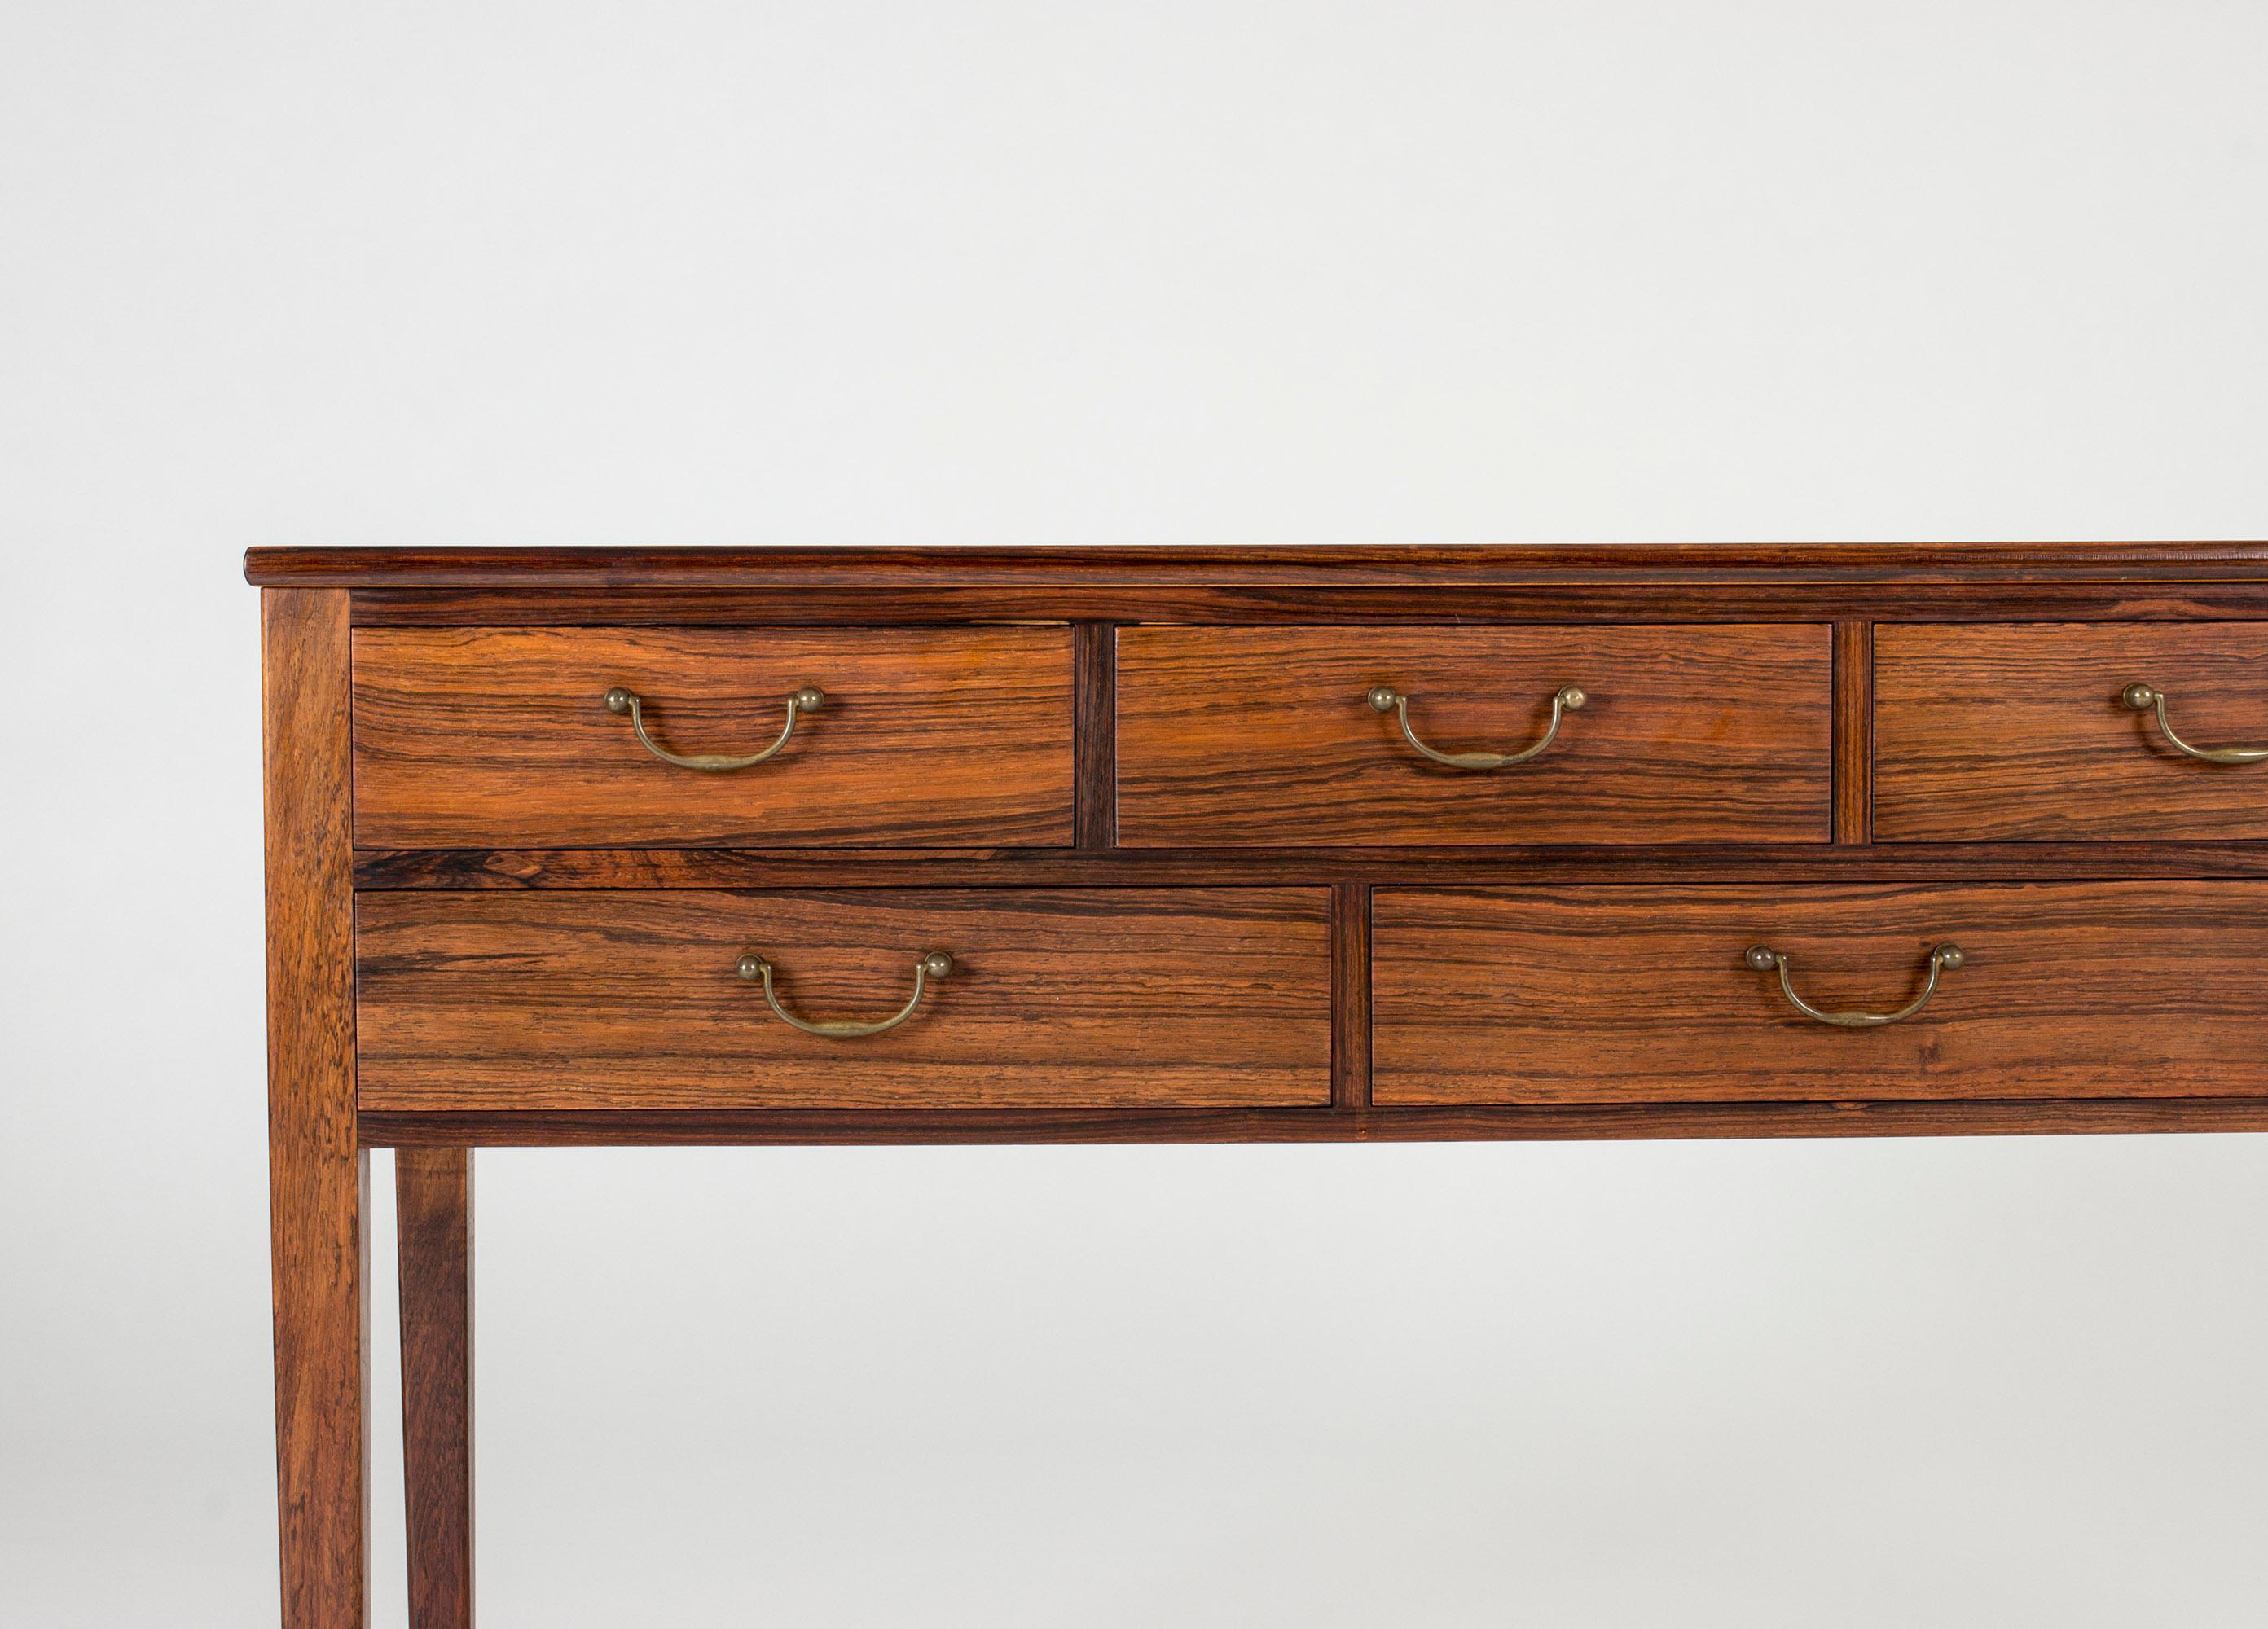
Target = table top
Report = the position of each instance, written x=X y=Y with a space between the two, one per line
x=1167 y=566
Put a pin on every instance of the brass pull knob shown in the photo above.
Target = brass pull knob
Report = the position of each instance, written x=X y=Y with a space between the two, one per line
x=1387 y=698
x=755 y=969
x=1943 y=958
x=2144 y=698
x=620 y=700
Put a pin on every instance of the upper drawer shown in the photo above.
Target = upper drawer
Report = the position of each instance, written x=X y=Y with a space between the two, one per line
x=2024 y=732
x=480 y=738
x=1272 y=736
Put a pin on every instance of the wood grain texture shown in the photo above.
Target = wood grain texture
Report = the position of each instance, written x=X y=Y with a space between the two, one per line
x=316 y=1170
x=628 y=1001
x=486 y=736
x=2016 y=733
x=1640 y=994
x=1976 y=1117
x=1349 y=995
x=1095 y=712
x=433 y=1190
x=1728 y=597
x=1447 y=865
x=619 y=569
x=1854 y=732
x=1690 y=734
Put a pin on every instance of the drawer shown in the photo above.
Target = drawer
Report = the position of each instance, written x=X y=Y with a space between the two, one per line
x=1271 y=736
x=1078 y=999
x=1633 y=994
x=2023 y=733
x=502 y=738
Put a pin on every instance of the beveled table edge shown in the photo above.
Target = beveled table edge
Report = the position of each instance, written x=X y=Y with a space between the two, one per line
x=1290 y=565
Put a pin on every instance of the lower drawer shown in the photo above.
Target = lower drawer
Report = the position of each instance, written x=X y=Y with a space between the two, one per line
x=1632 y=995
x=1076 y=999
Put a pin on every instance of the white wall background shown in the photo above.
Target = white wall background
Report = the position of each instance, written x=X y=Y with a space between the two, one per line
x=1227 y=272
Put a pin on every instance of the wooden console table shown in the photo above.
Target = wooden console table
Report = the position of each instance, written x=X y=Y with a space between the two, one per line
x=1178 y=845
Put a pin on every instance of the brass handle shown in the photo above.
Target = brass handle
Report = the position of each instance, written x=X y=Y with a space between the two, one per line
x=620 y=700
x=1943 y=958
x=2143 y=698
x=754 y=969
x=1387 y=698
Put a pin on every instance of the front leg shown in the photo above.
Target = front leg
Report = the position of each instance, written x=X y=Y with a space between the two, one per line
x=323 y=1474
x=316 y=1167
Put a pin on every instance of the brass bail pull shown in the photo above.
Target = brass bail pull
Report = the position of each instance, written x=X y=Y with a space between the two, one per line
x=933 y=964
x=1943 y=958
x=2148 y=698
x=1386 y=699
x=621 y=698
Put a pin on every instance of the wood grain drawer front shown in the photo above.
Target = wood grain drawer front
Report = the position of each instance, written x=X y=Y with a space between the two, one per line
x=1267 y=735
x=1634 y=994
x=480 y=738
x=623 y=1001
x=2021 y=733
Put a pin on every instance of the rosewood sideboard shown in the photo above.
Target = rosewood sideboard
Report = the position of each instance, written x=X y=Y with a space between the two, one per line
x=806 y=846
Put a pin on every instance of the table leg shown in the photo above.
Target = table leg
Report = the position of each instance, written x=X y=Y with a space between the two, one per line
x=434 y=1195
x=316 y=1167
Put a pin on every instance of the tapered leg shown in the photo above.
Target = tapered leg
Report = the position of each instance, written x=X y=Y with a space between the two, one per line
x=434 y=1196
x=316 y=1168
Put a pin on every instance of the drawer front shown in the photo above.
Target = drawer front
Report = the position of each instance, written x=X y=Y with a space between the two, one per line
x=1075 y=999
x=1270 y=736
x=501 y=737
x=2023 y=733
x=1633 y=994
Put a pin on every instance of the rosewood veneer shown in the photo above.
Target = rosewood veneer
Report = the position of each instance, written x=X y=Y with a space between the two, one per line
x=802 y=846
